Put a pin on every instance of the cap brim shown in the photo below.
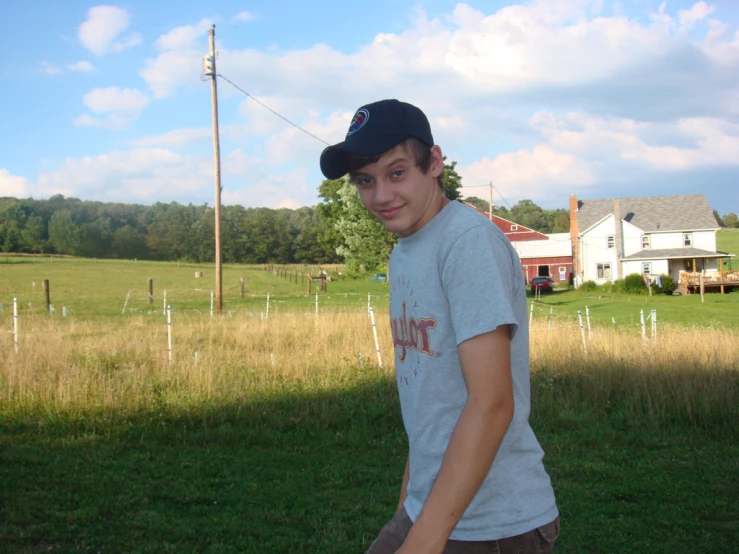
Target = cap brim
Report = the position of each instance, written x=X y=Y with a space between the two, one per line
x=335 y=159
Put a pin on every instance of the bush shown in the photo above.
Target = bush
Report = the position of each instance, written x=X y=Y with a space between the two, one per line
x=613 y=287
x=668 y=285
x=634 y=284
x=589 y=286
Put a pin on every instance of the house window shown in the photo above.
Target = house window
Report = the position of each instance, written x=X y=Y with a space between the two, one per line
x=610 y=241
x=645 y=242
x=562 y=269
x=646 y=268
x=514 y=227
x=604 y=271
x=688 y=239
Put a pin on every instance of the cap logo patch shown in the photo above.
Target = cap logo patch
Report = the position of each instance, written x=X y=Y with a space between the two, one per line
x=360 y=120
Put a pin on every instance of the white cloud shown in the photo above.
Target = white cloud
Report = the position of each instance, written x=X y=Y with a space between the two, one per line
x=163 y=175
x=176 y=138
x=689 y=143
x=185 y=37
x=532 y=173
x=13 y=185
x=101 y=100
x=171 y=69
x=697 y=12
x=50 y=69
x=103 y=26
x=83 y=66
x=143 y=174
x=243 y=16
x=120 y=107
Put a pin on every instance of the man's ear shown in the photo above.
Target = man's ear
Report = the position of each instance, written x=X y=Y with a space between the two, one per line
x=437 y=162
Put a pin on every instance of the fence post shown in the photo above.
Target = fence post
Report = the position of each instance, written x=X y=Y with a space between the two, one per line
x=643 y=328
x=150 y=283
x=582 y=332
x=47 y=295
x=242 y=287
x=169 y=333
x=123 y=311
x=267 y=316
x=531 y=314
x=310 y=281
x=377 y=342
x=587 y=315
x=15 y=324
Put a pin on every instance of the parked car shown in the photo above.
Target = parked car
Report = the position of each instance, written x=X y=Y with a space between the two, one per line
x=544 y=284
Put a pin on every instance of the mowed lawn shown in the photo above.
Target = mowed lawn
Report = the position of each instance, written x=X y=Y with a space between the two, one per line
x=727 y=240
x=643 y=458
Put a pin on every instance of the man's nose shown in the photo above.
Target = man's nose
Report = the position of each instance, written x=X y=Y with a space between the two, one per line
x=383 y=192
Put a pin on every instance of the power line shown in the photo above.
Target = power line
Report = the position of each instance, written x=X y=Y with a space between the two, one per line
x=504 y=200
x=496 y=188
x=270 y=109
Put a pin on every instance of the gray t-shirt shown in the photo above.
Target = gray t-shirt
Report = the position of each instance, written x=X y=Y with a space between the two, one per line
x=455 y=278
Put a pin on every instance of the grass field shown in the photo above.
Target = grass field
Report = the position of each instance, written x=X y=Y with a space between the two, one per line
x=278 y=438
x=727 y=240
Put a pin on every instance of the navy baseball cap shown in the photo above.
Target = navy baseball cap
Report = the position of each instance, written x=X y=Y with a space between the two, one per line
x=375 y=129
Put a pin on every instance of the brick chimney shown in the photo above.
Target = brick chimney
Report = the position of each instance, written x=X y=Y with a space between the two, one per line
x=574 y=230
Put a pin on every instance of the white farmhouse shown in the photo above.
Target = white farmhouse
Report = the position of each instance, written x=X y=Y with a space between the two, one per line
x=652 y=236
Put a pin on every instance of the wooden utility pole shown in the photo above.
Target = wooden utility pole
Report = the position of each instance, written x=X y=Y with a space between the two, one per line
x=491 y=200
x=210 y=70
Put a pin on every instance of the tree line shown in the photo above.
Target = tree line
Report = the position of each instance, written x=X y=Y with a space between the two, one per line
x=336 y=230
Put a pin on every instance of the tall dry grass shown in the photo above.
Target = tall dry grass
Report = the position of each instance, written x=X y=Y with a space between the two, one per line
x=78 y=367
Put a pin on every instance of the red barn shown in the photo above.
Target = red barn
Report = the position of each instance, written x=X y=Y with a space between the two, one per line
x=541 y=255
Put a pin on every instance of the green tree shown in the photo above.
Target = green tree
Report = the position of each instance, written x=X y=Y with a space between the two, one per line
x=367 y=242
x=95 y=239
x=452 y=180
x=329 y=212
x=63 y=233
x=719 y=219
x=33 y=236
x=731 y=220
x=560 y=220
x=528 y=214
x=129 y=244
x=478 y=203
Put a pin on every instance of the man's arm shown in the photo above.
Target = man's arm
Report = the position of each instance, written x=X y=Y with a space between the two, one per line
x=404 y=486
x=486 y=367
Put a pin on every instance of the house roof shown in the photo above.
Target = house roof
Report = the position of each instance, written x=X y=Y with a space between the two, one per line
x=556 y=246
x=672 y=253
x=497 y=218
x=682 y=212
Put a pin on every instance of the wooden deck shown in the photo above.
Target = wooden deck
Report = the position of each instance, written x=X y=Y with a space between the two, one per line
x=723 y=280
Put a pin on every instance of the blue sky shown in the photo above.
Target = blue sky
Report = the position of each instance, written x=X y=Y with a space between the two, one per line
x=545 y=98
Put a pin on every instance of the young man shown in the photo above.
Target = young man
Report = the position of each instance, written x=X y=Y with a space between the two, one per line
x=474 y=479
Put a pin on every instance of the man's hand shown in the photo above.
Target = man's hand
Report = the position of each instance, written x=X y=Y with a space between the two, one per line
x=486 y=367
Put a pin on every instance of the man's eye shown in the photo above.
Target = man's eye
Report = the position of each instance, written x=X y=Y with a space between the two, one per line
x=398 y=173
x=363 y=182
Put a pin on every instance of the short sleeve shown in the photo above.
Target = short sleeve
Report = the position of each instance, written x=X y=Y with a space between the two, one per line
x=482 y=278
